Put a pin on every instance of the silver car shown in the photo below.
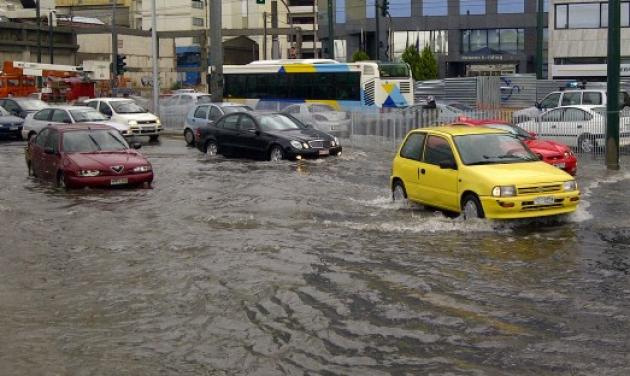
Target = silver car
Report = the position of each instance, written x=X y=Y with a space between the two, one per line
x=173 y=109
x=322 y=117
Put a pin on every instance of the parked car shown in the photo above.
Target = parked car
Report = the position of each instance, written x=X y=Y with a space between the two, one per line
x=479 y=172
x=22 y=106
x=58 y=115
x=173 y=109
x=575 y=97
x=140 y=122
x=10 y=125
x=271 y=136
x=554 y=153
x=202 y=115
x=443 y=112
x=321 y=116
x=75 y=156
x=580 y=127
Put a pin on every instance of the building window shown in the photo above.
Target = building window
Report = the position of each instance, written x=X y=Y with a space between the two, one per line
x=196 y=21
x=588 y=15
x=400 y=8
x=197 y=4
x=340 y=12
x=472 y=7
x=434 y=8
x=510 y=6
x=493 y=41
x=340 y=50
x=369 y=8
x=437 y=40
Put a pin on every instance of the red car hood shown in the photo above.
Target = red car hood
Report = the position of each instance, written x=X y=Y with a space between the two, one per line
x=547 y=148
x=105 y=160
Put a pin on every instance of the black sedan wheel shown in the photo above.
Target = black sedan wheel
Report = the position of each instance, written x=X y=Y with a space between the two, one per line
x=212 y=149
x=276 y=153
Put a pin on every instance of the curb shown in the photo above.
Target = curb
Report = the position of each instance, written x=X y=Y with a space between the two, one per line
x=173 y=132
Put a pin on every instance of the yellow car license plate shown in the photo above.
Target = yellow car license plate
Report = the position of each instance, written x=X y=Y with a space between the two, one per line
x=544 y=200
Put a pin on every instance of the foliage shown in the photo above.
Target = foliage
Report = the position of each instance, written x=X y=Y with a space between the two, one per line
x=360 y=55
x=177 y=85
x=423 y=65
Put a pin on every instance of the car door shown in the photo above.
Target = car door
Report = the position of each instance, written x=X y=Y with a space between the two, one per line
x=37 y=150
x=550 y=101
x=199 y=117
x=40 y=120
x=227 y=134
x=103 y=108
x=547 y=124
x=439 y=184
x=254 y=143
x=50 y=157
x=408 y=164
x=576 y=122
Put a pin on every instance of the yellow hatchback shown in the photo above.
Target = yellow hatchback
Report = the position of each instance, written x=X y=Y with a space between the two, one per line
x=480 y=172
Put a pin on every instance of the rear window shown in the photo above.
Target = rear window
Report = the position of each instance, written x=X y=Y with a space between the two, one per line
x=393 y=70
x=592 y=98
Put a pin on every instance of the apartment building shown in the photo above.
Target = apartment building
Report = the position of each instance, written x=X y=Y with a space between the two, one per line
x=578 y=39
x=101 y=10
x=470 y=37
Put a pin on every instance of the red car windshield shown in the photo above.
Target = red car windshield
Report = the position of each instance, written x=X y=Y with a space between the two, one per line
x=517 y=131
x=93 y=141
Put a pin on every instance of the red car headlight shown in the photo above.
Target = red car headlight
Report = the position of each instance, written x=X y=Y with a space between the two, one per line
x=145 y=168
x=88 y=173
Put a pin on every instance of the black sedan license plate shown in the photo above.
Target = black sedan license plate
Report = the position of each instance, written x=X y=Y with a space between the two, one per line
x=324 y=152
x=119 y=181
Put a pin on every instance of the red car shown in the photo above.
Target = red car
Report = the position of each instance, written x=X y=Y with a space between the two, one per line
x=75 y=156
x=552 y=152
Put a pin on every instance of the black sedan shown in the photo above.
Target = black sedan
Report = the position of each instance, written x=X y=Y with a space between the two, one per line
x=270 y=136
x=22 y=106
x=10 y=125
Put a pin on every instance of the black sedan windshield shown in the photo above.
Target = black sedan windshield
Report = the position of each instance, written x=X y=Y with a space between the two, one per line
x=87 y=115
x=477 y=149
x=127 y=107
x=93 y=141
x=278 y=122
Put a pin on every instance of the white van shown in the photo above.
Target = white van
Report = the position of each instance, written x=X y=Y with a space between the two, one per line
x=140 y=122
x=571 y=97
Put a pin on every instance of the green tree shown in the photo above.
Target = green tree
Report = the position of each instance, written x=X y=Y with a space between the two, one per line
x=359 y=55
x=428 y=64
x=412 y=58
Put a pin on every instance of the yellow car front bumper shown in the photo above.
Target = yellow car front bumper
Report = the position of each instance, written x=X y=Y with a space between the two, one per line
x=526 y=206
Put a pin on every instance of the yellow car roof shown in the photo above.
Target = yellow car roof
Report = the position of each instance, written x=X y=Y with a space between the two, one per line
x=460 y=130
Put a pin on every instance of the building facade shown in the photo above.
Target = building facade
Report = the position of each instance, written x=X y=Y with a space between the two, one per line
x=578 y=39
x=126 y=10
x=469 y=37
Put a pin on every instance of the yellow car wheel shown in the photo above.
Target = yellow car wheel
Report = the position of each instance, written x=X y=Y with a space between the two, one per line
x=399 y=194
x=471 y=207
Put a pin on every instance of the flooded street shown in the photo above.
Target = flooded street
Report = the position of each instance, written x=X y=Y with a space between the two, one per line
x=237 y=267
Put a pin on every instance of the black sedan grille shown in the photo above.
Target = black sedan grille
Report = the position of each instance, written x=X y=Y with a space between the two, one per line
x=319 y=144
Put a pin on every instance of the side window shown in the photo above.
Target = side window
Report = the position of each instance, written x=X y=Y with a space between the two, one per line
x=43 y=115
x=553 y=115
x=9 y=106
x=230 y=122
x=574 y=114
x=571 y=98
x=438 y=151
x=41 y=138
x=550 y=101
x=104 y=109
x=592 y=97
x=61 y=116
x=201 y=112
x=412 y=149
x=215 y=113
x=93 y=104
x=52 y=141
x=247 y=123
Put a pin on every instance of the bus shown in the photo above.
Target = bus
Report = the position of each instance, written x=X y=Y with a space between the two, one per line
x=275 y=84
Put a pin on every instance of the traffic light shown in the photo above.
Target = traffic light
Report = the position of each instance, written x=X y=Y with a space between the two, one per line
x=260 y=2
x=385 y=8
x=121 y=65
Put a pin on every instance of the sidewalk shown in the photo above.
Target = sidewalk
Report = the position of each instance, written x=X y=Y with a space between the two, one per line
x=173 y=132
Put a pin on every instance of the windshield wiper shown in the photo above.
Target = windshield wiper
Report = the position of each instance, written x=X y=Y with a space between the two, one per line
x=481 y=163
x=95 y=143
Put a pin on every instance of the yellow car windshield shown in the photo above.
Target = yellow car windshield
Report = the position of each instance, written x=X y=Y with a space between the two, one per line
x=478 y=149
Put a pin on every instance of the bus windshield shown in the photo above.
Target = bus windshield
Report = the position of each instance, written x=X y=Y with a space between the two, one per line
x=393 y=70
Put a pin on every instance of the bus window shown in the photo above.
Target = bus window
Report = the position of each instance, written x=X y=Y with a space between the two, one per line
x=393 y=70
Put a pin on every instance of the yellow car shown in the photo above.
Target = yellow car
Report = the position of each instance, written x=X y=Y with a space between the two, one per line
x=480 y=172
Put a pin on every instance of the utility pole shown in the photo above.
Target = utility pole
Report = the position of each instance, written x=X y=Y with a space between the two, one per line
x=154 y=58
x=275 y=47
x=38 y=14
x=50 y=38
x=377 y=37
x=216 y=51
x=540 y=19
x=264 y=35
x=314 y=30
x=114 y=50
x=331 y=30
x=612 y=106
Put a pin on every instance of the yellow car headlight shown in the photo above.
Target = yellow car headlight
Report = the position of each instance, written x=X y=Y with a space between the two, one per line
x=569 y=186
x=504 y=191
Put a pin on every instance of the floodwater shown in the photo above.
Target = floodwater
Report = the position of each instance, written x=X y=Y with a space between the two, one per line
x=236 y=267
